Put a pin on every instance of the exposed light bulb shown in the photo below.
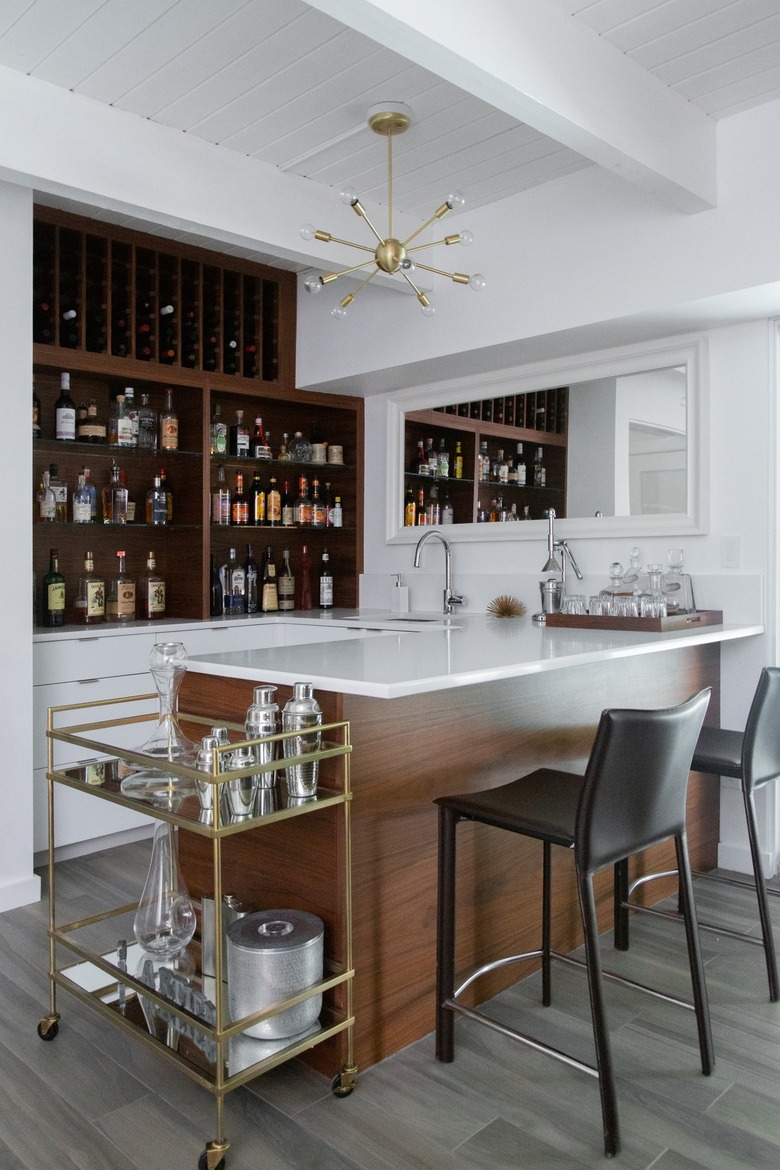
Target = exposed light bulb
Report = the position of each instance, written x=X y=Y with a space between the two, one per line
x=339 y=312
x=307 y=231
x=466 y=238
x=428 y=310
x=407 y=264
x=348 y=196
x=477 y=282
x=455 y=199
x=312 y=283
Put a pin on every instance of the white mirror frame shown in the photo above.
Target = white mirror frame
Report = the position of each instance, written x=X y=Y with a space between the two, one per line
x=690 y=351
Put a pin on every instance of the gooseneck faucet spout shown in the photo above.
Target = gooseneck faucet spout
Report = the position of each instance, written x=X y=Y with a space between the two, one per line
x=450 y=598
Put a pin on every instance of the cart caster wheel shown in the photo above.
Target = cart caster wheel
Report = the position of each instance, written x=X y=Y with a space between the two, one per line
x=340 y=1086
x=48 y=1028
x=213 y=1151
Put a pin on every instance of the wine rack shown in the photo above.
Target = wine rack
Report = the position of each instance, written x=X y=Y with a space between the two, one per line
x=536 y=410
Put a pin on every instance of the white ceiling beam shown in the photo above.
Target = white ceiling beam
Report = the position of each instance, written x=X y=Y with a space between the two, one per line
x=543 y=67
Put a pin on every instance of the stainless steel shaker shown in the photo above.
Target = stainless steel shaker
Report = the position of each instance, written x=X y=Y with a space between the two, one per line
x=241 y=792
x=205 y=763
x=262 y=719
x=302 y=713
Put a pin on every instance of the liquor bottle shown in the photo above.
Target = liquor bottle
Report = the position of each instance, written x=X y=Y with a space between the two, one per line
x=130 y=500
x=303 y=504
x=317 y=506
x=420 y=461
x=92 y=493
x=288 y=507
x=521 y=469
x=327 y=500
x=239 y=504
x=120 y=425
x=326 y=582
x=269 y=598
x=120 y=602
x=216 y=592
x=273 y=504
x=65 y=412
x=286 y=584
x=53 y=609
x=501 y=468
x=169 y=424
x=82 y=508
x=540 y=471
x=434 y=506
x=305 y=597
x=151 y=591
x=131 y=410
x=235 y=586
x=90 y=607
x=238 y=437
x=91 y=428
x=60 y=489
x=167 y=335
x=250 y=576
x=300 y=448
x=168 y=494
x=447 y=513
x=458 y=462
x=257 y=501
x=115 y=499
x=218 y=432
x=484 y=462
x=47 y=503
x=36 y=415
x=410 y=509
x=336 y=513
x=443 y=461
x=284 y=451
x=432 y=457
x=69 y=329
x=156 y=503
x=147 y=425
x=261 y=448
x=422 y=512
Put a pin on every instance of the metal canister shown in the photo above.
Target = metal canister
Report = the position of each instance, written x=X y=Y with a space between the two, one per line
x=241 y=791
x=272 y=955
x=262 y=719
x=302 y=713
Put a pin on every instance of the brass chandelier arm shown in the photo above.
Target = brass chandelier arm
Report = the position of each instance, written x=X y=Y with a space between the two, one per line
x=436 y=243
x=439 y=213
x=328 y=277
x=421 y=297
x=360 y=210
x=457 y=277
x=349 y=243
x=349 y=298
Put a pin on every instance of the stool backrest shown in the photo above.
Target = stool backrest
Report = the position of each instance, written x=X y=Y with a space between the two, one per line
x=636 y=781
x=761 y=741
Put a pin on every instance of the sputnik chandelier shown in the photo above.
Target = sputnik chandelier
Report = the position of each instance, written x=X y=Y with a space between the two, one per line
x=390 y=255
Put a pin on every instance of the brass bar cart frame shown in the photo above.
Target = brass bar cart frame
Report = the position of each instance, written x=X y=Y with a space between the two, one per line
x=109 y=996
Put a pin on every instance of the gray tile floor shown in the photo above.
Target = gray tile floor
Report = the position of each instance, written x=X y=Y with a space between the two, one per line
x=95 y=1099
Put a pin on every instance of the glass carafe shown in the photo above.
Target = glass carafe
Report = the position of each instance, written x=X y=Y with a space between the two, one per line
x=168 y=665
x=677 y=585
x=165 y=919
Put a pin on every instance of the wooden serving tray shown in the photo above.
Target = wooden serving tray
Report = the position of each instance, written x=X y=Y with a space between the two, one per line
x=678 y=621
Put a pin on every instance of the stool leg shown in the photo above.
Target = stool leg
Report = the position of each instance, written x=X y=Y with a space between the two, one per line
x=700 y=1003
x=763 y=899
x=546 y=887
x=620 y=920
x=445 y=936
x=599 y=1016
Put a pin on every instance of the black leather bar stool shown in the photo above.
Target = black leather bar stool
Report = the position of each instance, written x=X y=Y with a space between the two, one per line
x=751 y=756
x=631 y=796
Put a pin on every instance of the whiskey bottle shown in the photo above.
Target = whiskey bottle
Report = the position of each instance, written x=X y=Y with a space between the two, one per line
x=92 y=428
x=47 y=503
x=422 y=512
x=257 y=501
x=220 y=499
x=168 y=493
x=303 y=504
x=60 y=489
x=65 y=412
x=120 y=603
x=156 y=503
x=82 y=506
x=53 y=609
x=269 y=598
x=115 y=499
x=521 y=470
x=288 y=507
x=239 y=504
x=286 y=584
x=540 y=471
x=90 y=605
x=151 y=592
x=273 y=504
x=169 y=424
x=238 y=438
x=317 y=506
x=326 y=582
x=261 y=448
x=250 y=576
x=410 y=509
x=147 y=425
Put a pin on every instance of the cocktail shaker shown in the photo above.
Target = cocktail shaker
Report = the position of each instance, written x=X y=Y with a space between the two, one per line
x=205 y=763
x=262 y=719
x=302 y=713
x=241 y=792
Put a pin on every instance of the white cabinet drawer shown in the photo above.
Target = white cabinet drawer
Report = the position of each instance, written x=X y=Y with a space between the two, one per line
x=296 y=635
x=223 y=637
x=92 y=656
x=60 y=694
x=78 y=816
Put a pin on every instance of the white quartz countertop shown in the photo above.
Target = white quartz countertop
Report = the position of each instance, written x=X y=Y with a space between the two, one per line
x=389 y=658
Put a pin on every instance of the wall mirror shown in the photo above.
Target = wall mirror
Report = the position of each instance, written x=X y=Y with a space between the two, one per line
x=623 y=438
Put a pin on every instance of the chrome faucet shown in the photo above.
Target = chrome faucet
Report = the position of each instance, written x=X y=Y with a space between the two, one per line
x=450 y=598
x=558 y=546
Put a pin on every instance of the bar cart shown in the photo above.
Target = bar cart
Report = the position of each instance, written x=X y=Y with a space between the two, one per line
x=180 y=1011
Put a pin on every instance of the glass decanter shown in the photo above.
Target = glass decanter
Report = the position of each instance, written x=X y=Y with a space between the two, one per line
x=167 y=665
x=676 y=584
x=165 y=919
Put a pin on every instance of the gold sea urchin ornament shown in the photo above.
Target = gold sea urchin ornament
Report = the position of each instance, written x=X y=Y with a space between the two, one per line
x=506 y=606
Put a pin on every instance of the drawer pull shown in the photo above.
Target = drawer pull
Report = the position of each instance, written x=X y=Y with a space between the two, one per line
x=83 y=682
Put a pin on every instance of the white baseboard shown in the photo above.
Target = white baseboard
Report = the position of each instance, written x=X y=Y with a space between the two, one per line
x=95 y=844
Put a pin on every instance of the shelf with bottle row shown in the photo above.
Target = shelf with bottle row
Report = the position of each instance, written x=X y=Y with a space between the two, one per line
x=100 y=289
x=473 y=497
x=536 y=410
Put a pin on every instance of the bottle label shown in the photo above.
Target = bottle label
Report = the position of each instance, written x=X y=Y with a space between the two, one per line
x=337 y=516
x=169 y=434
x=82 y=512
x=270 y=601
x=326 y=592
x=159 y=509
x=286 y=592
x=273 y=509
x=258 y=508
x=242 y=443
x=47 y=509
x=55 y=596
x=66 y=422
x=123 y=605
x=288 y=516
x=96 y=599
x=219 y=438
x=124 y=433
x=156 y=598
x=92 y=430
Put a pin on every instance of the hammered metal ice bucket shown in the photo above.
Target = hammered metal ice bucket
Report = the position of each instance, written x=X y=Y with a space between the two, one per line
x=271 y=955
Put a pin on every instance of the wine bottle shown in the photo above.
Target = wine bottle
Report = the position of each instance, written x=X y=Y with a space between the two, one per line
x=144 y=329
x=54 y=593
x=269 y=600
x=90 y=607
x=151 y=592
x=250 y=571
x=69 y=329
x=65 y=412
x=286 y=585
x=168 y=347
x=326 y=582
x=120 y=603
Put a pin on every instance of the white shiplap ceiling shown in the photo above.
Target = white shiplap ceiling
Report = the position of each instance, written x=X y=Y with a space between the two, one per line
x=281 y=81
